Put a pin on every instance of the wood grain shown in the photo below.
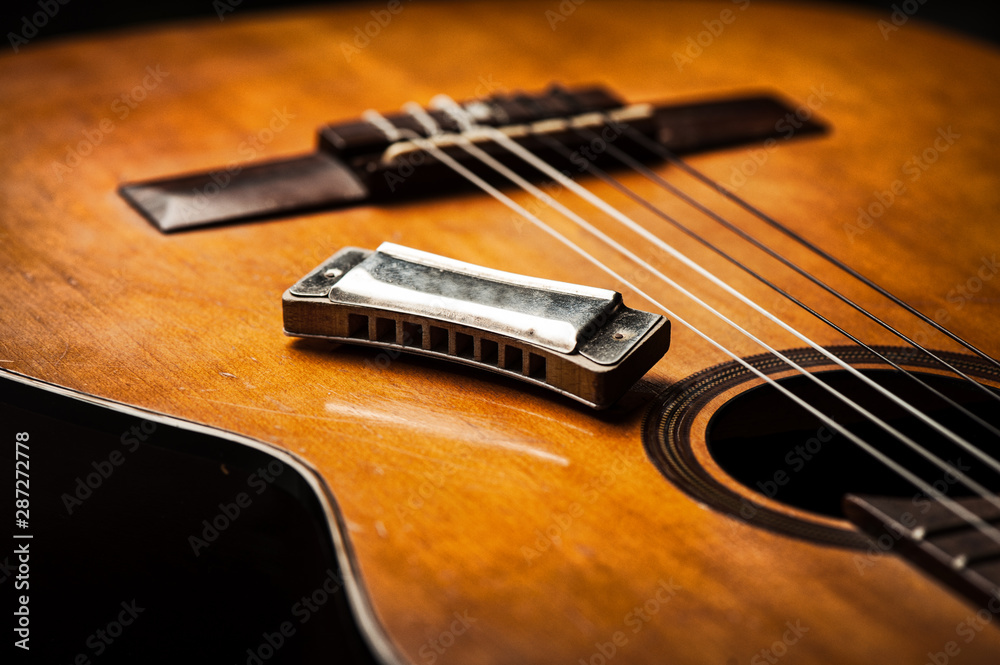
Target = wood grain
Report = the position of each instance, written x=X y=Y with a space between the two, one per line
x=450 y=480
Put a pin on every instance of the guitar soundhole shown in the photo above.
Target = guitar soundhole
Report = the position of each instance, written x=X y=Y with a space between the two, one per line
x=742 y=447
x=777 y=449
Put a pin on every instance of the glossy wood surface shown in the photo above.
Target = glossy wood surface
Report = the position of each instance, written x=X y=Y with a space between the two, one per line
x=465 y=494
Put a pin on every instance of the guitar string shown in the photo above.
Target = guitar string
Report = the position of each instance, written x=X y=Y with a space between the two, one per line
x=642 y=169
x=377 y=120
x=672 y=158
x=947 y=467
x=428 y=123
x=622 y=157
x=663 y=152
x=468 y=125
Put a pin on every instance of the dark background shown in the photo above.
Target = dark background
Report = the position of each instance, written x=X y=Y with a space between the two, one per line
x=974 y=19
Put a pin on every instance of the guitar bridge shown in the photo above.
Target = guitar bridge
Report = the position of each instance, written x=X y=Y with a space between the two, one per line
x=580 y=341
x=357 y=163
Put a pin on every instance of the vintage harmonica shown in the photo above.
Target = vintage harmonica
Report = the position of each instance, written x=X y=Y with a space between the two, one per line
x=580 y=341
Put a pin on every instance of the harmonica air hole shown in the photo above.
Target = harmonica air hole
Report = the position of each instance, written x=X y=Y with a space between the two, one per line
x=385 y=330
x=536 y=367
x=464 y=346
x=413 y=335
x=489 y=352
x=513 y=359
x=438 y=338
x=357 y=326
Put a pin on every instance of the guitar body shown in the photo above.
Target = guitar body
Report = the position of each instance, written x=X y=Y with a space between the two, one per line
x=492 y=522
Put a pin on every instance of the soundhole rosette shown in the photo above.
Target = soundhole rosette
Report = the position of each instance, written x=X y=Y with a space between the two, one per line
x=732 y=442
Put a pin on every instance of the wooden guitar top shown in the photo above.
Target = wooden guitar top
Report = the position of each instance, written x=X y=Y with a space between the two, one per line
x=492 y=522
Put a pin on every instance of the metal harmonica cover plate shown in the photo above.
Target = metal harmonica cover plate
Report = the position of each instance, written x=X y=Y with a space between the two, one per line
x=578 y=340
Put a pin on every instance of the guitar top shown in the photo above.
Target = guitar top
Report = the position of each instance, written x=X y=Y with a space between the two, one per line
x=489 y=520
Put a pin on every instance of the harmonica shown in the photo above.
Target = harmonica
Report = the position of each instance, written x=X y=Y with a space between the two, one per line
x=580 y=341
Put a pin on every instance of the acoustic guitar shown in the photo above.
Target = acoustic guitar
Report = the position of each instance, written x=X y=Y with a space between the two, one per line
x=806 y=475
